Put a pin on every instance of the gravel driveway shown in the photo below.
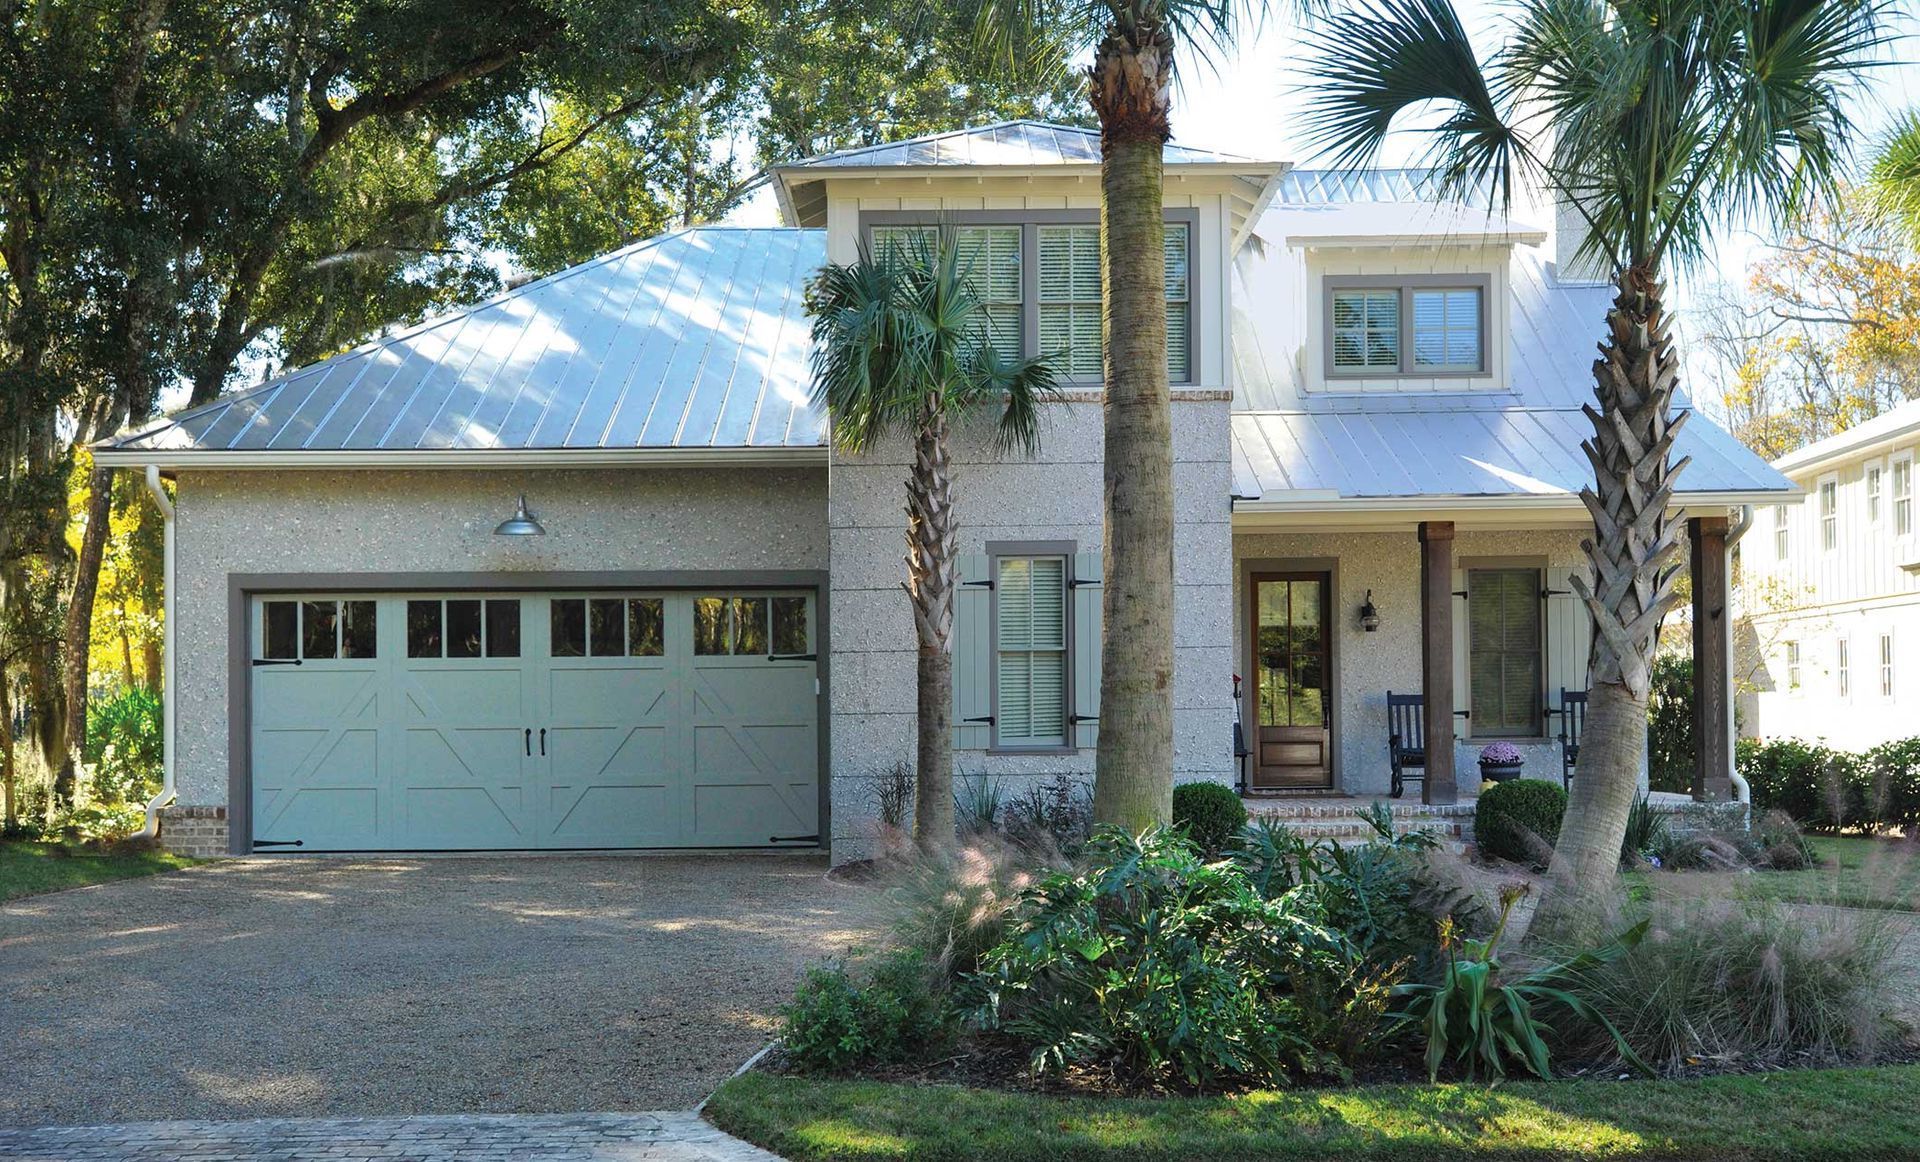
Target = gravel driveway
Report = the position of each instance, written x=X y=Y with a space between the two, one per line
x=330 y=987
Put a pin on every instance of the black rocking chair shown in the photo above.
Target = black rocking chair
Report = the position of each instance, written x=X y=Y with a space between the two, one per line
x=1406 y=739
x=1573 y=721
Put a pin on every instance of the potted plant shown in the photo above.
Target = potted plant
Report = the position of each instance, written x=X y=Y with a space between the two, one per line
x=1500 y=761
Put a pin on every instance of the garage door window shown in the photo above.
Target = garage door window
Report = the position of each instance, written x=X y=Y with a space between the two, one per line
x=608 y=627
x=463 y=628
x=317 y=630
x=749 y=625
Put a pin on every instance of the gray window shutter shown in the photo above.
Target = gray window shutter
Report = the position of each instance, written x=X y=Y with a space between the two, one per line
x=1085 y=706
x=973 y=654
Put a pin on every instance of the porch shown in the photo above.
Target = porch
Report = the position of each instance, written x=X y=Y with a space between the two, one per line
x=1476 y=613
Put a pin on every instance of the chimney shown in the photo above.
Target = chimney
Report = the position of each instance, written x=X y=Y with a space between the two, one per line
x=1569 y=231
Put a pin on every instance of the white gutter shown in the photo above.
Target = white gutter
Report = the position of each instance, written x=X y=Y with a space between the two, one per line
x=517 y=458
x=1742 y=793
x=1327 y=501
x=168 y=702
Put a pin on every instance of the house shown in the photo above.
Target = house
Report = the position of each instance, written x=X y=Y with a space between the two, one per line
x=1376 y=400
x=1831 y=591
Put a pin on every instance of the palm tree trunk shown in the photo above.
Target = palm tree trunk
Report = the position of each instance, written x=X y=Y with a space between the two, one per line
x=1631 y=589
x=931 y=540
x=1133 y=786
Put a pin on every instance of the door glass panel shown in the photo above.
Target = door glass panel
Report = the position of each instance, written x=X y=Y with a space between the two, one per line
x=1307 y=704
x=1305 y=603
x=750 y=625
x=357 y=635
x=503 y=629
x=423 y=629
x=710 y=625
x=281 y=626
x=569 y=628
x=607 y=627
x=790 y=625
x=319 y=629
x=463 y=629
x=646 y=627
x=1275 y=681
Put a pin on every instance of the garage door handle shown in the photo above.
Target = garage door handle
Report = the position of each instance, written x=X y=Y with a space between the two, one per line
x=276 y=661
x=529 y=741
x=793 y=657
x=543 y=742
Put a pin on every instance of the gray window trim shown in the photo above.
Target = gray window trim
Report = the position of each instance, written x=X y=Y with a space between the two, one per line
x=1406 y=284
x=242 y=588
x=996 y=550
x=1029 y=221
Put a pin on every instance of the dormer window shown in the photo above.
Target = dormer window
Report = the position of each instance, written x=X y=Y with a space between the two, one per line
x=1039 y=273
x=1381 y=326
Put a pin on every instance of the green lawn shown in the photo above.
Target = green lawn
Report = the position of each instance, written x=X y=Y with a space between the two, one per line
x=1858 y=873
x=1851 y=1114
x=28 y=869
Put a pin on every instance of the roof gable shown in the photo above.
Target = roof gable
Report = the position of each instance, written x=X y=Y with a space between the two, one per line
x=1003 y=143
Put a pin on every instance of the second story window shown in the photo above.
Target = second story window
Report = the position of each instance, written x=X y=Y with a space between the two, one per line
x=990 y=255
x=1872 y=481
x=1070 y=304
x=1829 y=515
x=1886 y=665
x=1379 y=327
x=1781 y=543
x=1902 y=473
x=1843 y=668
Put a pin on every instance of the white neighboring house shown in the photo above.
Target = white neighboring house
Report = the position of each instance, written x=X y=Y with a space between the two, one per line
x=1376 y=409
x=1831 y=589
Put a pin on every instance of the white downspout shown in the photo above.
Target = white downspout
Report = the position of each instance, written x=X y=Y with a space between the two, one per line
x=168 y=703
x=1742 y=793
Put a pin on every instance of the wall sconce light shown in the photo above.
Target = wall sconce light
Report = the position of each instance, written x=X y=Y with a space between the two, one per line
x=1369 y=616
x=520 y=524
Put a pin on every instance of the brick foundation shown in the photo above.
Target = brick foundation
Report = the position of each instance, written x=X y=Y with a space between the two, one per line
x=199 y=832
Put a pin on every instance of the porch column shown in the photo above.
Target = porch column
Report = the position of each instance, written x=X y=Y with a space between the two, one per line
x=1712 y=701
x=1436 y=658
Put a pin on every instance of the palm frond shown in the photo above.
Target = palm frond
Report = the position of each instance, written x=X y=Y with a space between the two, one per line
x=1894 y=180
x=1371 y=64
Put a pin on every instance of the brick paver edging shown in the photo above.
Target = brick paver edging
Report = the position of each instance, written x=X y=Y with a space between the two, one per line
x=652 y=1137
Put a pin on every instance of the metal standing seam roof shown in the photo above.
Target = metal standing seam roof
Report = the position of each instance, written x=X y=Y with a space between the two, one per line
x=1473 y=452
x=697 y=339
x=1008 y=143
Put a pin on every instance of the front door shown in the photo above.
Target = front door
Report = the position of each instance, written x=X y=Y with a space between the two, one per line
x=1293 y=705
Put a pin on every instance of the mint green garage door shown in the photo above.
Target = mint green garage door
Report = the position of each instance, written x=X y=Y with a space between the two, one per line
x=462 y=721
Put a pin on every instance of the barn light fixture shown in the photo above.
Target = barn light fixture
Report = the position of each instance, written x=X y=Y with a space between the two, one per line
x=520 y=524
x=1369 y=616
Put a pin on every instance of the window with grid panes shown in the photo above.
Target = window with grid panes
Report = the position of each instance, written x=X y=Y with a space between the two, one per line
x=1070 y=305
x=1030 y=644
x=990 y=258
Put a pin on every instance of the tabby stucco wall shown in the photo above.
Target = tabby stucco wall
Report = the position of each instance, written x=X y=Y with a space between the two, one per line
x=369 y=521
x=1054 y=496
x=1367 y=665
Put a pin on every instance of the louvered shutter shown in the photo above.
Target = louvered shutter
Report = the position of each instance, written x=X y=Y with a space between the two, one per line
x=1178 y=303
x=1031 y=636
x=973 y=655
x=1504 y=622
x=1086 y=649
x=1462 y=690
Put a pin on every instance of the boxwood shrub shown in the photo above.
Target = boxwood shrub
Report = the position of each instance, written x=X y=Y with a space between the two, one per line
x=1209 y=813
x=1513 y=820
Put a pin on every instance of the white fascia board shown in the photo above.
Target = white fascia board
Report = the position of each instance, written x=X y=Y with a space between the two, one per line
x=468 y=458
x=1269 y=190
x=1382 y=241
x=1322 y=507
x=1800 y=462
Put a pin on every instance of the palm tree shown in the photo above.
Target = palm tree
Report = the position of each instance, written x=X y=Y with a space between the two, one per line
x=1894 y=180
x=1134 y=45
x=902 y=345
x=1656 y=121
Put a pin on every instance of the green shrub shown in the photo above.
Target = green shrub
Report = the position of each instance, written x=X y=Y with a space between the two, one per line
x=1670 y=724
x=124 y=746
x=1165 y=967
x=1753 y=981
x=1891 y=785
x=834 y=1024
x=1520 y=820
x=1646 y=834
x=1049 y=819
x=1822 y=788
x=1209 y=813
x=1478 y=1015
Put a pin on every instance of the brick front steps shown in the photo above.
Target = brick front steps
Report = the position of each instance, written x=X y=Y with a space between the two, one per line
x=1343 y=819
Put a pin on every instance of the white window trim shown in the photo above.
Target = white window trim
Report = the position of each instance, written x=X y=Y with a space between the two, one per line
x=1793 y=659
x=1843 y=668
x=1822 y=516
x=1870 y=490
x=1886 y=675
x=1782 y=533
x=1893 y=498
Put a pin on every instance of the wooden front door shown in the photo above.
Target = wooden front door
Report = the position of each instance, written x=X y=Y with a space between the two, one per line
x=1292 y=677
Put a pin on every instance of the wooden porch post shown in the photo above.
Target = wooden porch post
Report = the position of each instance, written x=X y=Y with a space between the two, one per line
x=1436 y=658
x=1712 y=701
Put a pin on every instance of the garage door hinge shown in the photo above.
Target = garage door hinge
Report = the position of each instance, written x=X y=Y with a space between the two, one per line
x=984 y=584
x=276 y=661
x=793 y=839
x=793 y=657
x=988 y=719
x=279 y=843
